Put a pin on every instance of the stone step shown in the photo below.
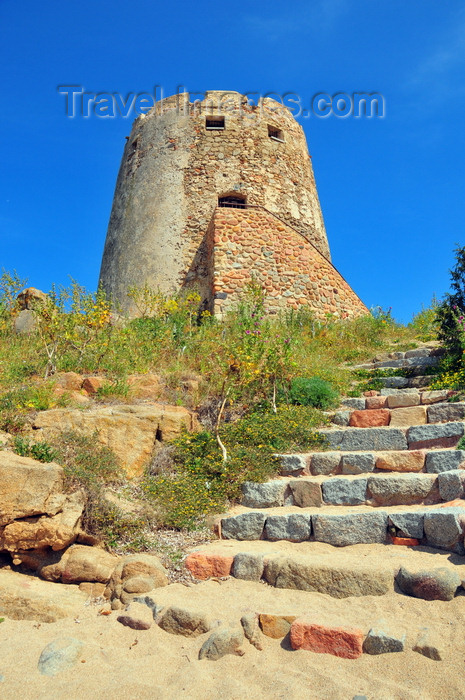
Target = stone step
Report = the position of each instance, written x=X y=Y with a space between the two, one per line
x=431 y=461
x=398 y=410
x=394 y=382
x=388 y=489
x=340 y=526
x=318 y=567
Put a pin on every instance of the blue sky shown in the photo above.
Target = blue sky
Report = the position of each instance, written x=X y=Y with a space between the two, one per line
x=391 y=189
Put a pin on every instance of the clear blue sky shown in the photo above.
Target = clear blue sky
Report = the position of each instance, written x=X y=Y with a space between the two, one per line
x=392 y=189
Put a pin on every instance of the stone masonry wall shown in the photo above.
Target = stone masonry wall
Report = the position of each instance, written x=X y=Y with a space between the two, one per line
x=246 y=243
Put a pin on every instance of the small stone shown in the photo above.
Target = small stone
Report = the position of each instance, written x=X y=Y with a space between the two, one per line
x=306 y=494
x=248 y=566
x=343 y=642
x=370 y=418
x=451 y=484
x=246 y=526
x=444 y=460
x=357 y=404
x=358 y=463
x=405 y=541
x=443 y=528
x=139 y=584
x=294 y=465
x=429 y=645
x=325 y=463
x=222 y=642
x=381 y=639
x=252 y=630
x=295 y=527
x=185 y=622
x=413 y=415
x=374 y=402
x=276 y=626
x=60 y=655
x=341 y=418
x=435 y=584
x=204 y=565
x=267 y=495
x=93 y=384
x=137 y=616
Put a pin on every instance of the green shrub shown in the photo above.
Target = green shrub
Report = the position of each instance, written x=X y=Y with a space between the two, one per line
x=314 y=392
x=41 y=451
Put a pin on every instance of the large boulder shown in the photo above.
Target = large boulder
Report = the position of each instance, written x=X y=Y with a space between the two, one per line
x=131 y=431
x=80 y=563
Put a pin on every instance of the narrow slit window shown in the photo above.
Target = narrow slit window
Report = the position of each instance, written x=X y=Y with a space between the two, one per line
x=214 y=123
x=275 y=133
x=230 y=201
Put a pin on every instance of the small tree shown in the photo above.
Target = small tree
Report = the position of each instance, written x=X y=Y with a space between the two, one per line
x=450 y=309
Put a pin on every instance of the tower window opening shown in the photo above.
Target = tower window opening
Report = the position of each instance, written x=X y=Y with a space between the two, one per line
x=214 y=123
x=275 y=134
x=234 y=202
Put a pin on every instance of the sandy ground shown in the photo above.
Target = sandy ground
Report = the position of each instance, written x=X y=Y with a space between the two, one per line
x=119 y=662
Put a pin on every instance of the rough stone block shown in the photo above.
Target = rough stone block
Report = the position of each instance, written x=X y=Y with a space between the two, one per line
x=374 y=402
x=306 y=494
x=393 y=383
x=430 y=397
x=246 y=526
x=204 y=565
x=294 y=465
x=413 y=415
x=434 y=435
x=248 y=566
x=338 y=641
x=409 y=524
x=357 y=404
x=405 y=461
x=411 y=398
x=443 y=528
x=440 y=583
x=383 y=639
x=397 y=390
x=417 y=352
x=446 y=412
x=358 y=463
x=344 y=492
x=429 y=644
x=60 y=655
x=357 y=528
x=419 y=382
x=420 y=363
x=188 y=623
x=341 y=418
x=276 y=626
x=444 y=460
x=405 y=541
x=451 y=484
x=295 y=527
x=221 y=642
x=325 y=463
x=369 y=418
x=365 y=439
x=267 y=495
x=402 y=489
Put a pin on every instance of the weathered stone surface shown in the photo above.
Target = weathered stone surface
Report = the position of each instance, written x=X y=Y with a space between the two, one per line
x=294 y=465
x=145 y=386
x=28 y=487
x=433 y=584
x=222 y=642
x=451 y=484
x=405 y=461
x=295 y=527
x=393 y=383
x=358 y=463
x=265 y=495
x=69 y=381
x=365 y=439
x=369 y=418
x=204 y=565
x=25 y=322
x=56 y=531
x=306 y=494
x=403 y=489
x=374 y=402
x=446 y=412
x=414 y=415
x=137 y=616
x=345 y=492
x=132 y=570
x=129 y=430
x=418 y=352
x=31 y=297
x=444 y=460
x=443 y=528
x=420 y=381
x=356 y=404
x=338 y=641
x=383 y=639
x=429 y=397
x=325 y=463
x=405 y=541
x=252 y=630
x=80 y=563
x=248 y=566
x=407 y=399
x=246 y=526
x=28 y=598
x=430 y=645
x=276 y=626
x=357 y=528
x=339 y=581
x=420 y=363
x=92 y=590
x=60 y=655
x=434 y=435
x=398 y=391
x=188 y=623
x=409 y=524
x=341 y=418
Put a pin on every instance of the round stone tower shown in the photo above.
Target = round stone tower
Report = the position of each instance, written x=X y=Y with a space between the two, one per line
x=183 y=160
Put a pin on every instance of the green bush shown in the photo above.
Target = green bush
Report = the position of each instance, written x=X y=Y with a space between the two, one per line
x=314 y=392
x=41 y=451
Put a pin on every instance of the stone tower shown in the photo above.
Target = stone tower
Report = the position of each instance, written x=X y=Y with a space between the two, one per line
x=213 y=192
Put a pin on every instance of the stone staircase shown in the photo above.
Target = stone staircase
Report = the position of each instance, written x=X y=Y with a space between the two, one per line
x=392 y=475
